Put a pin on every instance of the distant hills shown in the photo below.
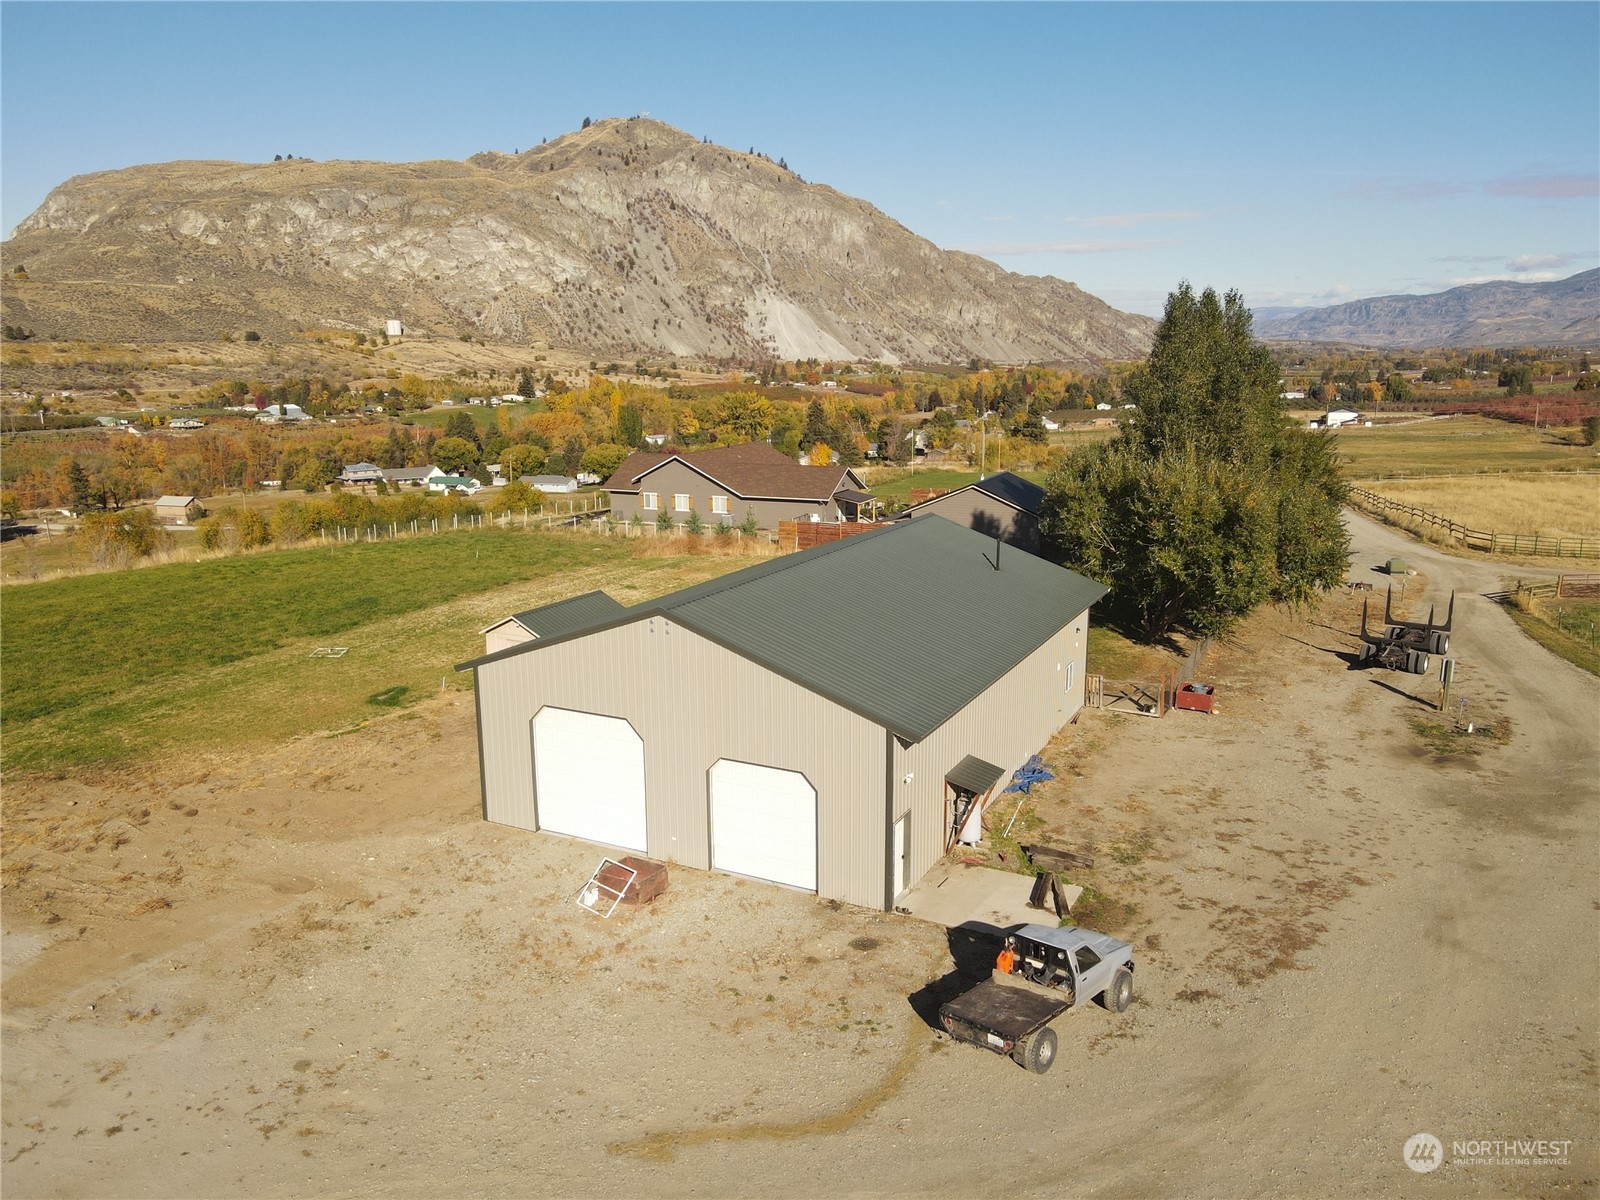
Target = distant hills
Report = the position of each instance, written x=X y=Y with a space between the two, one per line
x=626 y=237
x=1565 y=312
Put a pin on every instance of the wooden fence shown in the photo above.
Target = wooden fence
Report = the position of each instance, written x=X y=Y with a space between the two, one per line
x=1562 y=587
x=1538 y=544
x=802 y=535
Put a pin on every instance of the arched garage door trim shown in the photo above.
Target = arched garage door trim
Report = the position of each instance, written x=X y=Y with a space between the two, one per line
x=588 y=777
x=763 y=823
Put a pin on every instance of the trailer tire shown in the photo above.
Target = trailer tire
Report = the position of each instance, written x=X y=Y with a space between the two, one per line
x=1038 y=1050
x=1119 y=992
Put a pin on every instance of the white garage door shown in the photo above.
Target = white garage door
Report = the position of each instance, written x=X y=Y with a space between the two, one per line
x=588 y=773
x=764 y=823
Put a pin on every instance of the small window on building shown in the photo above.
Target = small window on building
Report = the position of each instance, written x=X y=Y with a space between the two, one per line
x=680 y=502
x=719 y=504
x=1071 y=669
x=649 y=501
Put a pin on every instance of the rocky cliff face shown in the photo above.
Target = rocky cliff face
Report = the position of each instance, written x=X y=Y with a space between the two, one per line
x=626 y=237
x=1565 y=312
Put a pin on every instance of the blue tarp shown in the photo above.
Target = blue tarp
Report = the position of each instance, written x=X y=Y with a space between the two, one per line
x=1029 y=773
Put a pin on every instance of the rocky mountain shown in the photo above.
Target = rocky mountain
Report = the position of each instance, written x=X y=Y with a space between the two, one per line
x=1500 y=313
x=626 y=237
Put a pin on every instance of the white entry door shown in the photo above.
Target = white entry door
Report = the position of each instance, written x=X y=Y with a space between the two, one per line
x=764 y=823
x=902 y=855
x=588 y=773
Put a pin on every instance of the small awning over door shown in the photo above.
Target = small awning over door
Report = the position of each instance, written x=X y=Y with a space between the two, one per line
x=973 y=776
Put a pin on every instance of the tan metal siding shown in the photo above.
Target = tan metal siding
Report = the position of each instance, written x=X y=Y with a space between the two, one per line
x=694 y=702
x=982 y=512
x=1011 y=720
x=506 y=633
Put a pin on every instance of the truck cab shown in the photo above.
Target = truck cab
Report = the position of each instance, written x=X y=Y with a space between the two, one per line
x=1082 y=964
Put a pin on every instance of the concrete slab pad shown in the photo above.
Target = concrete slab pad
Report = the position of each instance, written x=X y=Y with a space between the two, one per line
x=953 y=894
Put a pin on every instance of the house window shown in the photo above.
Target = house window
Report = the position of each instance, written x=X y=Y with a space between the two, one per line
x=649 y=501
x=680 y=502
x=719 y=504
x=1071 y=668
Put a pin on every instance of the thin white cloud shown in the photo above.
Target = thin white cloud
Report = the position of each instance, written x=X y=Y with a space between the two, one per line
x=1534 y=262
x=1406 y=191
x=1536 y=187
x=1000 y=217
x=1120 y=220
x=1528 y=277
x=1008 y=249
x=1545 y=187
x=1337 y=293
x=1467 y=259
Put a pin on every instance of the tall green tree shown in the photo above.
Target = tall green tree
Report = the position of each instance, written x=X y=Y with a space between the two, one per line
x=1211 y=501
x=80 y=492
x=1517 y=380
x=817 y=427
x=455 y=455
x=461 y=425
x=630 y=427
x=1397 y=390
x=1207 y=385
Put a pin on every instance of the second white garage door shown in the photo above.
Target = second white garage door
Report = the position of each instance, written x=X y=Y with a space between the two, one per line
x=589 y=777
x=764 y=823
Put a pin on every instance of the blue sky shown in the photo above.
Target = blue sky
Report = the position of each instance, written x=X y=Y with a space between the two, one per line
x=1303 y=153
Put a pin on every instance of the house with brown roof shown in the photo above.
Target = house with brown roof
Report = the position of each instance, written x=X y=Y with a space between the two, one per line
x=727 y=483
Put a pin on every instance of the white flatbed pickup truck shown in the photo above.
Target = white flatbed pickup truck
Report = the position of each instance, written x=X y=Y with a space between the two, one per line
x=1041 y=973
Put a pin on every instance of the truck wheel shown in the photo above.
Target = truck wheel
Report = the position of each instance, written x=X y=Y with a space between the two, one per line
x=1038 y=1051
x=1119 y=992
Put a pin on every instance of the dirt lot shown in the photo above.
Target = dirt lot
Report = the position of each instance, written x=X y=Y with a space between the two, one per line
x=319 y=973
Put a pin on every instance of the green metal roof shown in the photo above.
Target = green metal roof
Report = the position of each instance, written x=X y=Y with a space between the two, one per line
x=905 y=625
x=975 y=775
x=570 y=616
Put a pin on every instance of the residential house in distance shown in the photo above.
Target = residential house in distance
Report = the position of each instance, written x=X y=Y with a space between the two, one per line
x=1340 y=416
x=361 y=473
x=454 y=483
x=411 y=476
x=726 y=483
x=186 y=423
x=552 y=485
x=1004 y=506
x=272 y=414
x=787 y=722
x=178 y=510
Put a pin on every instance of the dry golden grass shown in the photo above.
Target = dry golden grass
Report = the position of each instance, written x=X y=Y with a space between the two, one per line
x=1554 y=505
x=675 y=545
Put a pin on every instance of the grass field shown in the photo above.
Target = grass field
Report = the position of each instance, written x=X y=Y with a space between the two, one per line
x=1554 y=505
x=104 y=670
x=484 y=416
x=1564 y=627
x=894 y=484
x=1459 y=445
